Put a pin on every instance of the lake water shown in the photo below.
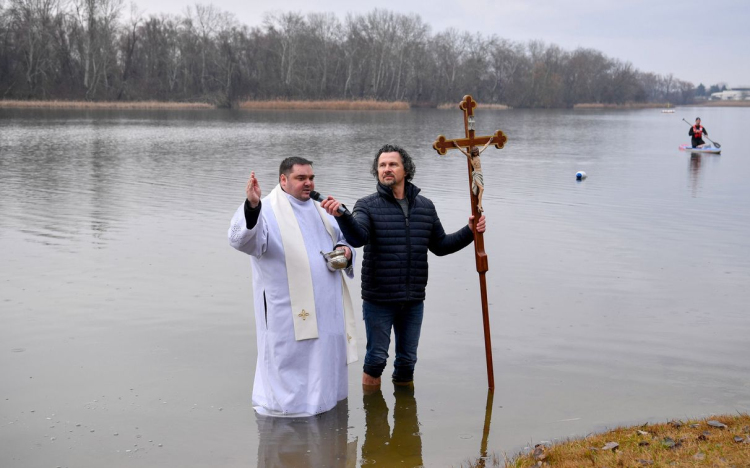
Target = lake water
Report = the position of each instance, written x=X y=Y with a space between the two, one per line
x=126 y=323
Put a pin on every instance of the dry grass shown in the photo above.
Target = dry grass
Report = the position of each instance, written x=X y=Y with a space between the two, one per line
x=453 y=106
x=627 y=105
x=691 y=443
x=104 y=105
x=745 y=103
x=325 y=105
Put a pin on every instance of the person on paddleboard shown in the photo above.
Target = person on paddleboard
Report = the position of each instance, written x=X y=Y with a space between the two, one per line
x=696 y=133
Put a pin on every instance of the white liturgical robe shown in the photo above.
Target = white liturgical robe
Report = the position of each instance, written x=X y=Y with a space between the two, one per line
x=294 y=377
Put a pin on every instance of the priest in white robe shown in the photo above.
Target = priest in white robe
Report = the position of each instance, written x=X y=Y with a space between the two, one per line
x=303 y=314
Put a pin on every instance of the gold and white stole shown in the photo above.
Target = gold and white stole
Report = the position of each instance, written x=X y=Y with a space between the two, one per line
x=350 y=325
x=301 y=292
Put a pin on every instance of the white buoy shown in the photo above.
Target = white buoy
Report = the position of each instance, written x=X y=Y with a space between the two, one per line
x=580 y=175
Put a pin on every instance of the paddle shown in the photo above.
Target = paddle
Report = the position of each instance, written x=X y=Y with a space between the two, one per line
x=707 y=138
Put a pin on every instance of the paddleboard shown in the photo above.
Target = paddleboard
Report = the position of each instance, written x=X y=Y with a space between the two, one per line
x=705 y=149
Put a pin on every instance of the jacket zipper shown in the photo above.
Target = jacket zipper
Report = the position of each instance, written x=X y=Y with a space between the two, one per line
x=408 y=257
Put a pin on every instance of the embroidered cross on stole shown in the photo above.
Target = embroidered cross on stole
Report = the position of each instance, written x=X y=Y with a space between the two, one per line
x=302 y=297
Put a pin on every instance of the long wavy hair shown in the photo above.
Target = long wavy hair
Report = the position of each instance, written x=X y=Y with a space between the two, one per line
x=409 y=168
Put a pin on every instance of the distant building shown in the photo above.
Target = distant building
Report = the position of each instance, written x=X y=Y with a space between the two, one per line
x=736 y=94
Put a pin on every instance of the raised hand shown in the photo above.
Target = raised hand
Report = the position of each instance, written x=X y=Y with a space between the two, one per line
x=252 y=190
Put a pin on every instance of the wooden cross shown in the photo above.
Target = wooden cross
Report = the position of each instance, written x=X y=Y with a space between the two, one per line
x=471 y=142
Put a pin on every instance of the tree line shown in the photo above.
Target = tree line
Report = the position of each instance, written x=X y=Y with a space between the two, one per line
x=92 y=50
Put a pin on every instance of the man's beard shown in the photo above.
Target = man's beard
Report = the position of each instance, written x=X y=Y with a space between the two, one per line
x=389 y=183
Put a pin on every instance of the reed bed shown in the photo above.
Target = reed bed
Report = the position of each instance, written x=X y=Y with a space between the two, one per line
x=104 y=105
x=627 y=105
x=719 y=441
x=325 y=105
x=454 y=106
x=744 y=103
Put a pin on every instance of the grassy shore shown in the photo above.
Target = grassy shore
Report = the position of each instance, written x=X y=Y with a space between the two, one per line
x=453 y=106
x=719 y=441
x=251 y=105
x=359 y=105
x=627 y=105
x=273 y=104
x=745 y=103
x=658 y=105
x=104 y=105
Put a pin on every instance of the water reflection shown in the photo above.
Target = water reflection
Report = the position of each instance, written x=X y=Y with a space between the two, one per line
x=486 y=429
x=103 y=165
x=113 y=233
x=317 y=441
x=403 y=446
x=695 y=168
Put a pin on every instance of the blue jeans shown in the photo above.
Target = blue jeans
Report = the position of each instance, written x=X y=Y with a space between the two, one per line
x=406 y=320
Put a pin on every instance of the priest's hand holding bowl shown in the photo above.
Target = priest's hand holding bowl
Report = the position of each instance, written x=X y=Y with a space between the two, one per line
x=347 y=251
x=338 y=258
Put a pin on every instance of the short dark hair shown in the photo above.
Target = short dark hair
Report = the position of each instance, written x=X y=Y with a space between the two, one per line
x=697 y=118
x=406 y=160
x=286 y=165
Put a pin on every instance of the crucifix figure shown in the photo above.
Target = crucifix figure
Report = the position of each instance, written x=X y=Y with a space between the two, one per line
x=476 y=189
x=477 y=178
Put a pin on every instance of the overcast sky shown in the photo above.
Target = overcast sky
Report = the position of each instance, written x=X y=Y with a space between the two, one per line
x=698 y=41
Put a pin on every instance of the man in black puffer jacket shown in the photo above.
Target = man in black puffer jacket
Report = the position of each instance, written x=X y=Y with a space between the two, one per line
x=397 y=226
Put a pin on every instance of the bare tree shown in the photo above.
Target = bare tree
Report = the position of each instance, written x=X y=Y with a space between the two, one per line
x=227 y=59
x=287 y=28
x=96 y=27
x=205 y=19
x=31 y=21
x=130 y=41
x=84 y=48
x=326 y=32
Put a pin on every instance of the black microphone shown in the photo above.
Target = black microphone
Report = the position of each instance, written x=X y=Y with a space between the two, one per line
x=319 y=198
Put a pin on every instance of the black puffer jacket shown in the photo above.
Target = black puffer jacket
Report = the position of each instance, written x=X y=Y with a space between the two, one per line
x=395 y=261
